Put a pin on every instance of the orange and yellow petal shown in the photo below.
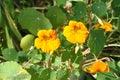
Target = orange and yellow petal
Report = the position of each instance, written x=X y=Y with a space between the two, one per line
x=98 y=66
x=47 y=40
x=106 y=26
x=75 y=32
x=37 y=43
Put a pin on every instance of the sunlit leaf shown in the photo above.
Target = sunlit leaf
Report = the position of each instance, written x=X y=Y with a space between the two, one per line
x=33 y=20
x=57 y=61
x=13 y=71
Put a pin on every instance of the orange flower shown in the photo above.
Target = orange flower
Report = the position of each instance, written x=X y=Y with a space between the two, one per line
x=106 y=26
x=75 y=32
x=47 y=40
x=97 y=66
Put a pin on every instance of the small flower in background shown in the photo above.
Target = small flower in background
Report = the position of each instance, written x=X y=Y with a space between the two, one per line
x=68 y=6
x=75 y=32
x=47 y=41
x=106 y=26
x=97 y=66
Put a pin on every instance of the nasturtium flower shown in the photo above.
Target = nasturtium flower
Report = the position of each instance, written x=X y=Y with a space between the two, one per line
x=75 y=32
x=106 y=26
x=97 y=66
x=47 y=40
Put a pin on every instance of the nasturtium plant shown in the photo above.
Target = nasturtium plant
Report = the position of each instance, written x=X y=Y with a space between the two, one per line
x=32 y=20
x=59 y=39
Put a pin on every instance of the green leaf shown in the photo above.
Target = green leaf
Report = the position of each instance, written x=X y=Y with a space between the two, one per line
x=10 y=54
x=57 y=61
x=96 y=41
x=56 y=16
x=23 y=56
x=36 y=56
x=45 y=74
x=79 y=10
x=114 y=66
x=13 y=71
x=69 y=54
x=63 y=74
x=60 y=2
x=99 y=8
x=26 y=42
x=116 y=7
x=35 y=71
x=53 y=75
x=106 y=76
x=33 y=20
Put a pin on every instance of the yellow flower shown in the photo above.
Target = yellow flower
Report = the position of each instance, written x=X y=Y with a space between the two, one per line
x=97 y=66
x=106 y=26
x=47 y=40
x=75 y=32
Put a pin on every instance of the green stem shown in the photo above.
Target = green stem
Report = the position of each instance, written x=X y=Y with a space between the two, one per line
x=11 y=23
x=9 y=39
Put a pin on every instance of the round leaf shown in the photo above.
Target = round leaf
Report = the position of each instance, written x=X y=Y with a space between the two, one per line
x=56 y=16
x=13 y=71
x=10 y=54
x=79 y=10
x=99 y=8
x=33 y=20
